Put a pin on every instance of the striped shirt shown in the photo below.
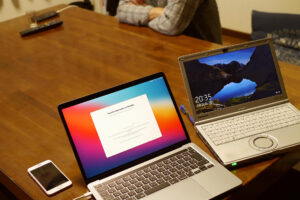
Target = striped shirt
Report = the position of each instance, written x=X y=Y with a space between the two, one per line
x=178 y=16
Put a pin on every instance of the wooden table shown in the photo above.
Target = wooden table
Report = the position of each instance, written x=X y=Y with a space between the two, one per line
x=90 y=52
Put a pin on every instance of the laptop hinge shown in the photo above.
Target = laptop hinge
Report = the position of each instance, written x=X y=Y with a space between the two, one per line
x=203 y=121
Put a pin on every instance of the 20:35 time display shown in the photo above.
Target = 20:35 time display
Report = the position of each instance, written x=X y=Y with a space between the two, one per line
x=202 y=98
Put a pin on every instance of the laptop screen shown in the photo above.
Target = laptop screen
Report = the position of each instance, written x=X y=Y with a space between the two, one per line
x=232 y=78
x=118 y=126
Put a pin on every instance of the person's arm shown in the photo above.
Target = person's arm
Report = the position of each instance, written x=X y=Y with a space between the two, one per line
x=133 y=12
x=176 y=17
x=155 y=12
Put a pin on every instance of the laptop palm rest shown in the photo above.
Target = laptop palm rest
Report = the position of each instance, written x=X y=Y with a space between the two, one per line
x=180 y=190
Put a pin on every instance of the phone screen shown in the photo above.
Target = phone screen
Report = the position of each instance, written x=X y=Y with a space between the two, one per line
x=49 y=176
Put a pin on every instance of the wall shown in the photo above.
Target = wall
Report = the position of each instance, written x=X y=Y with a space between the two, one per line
x=236 y=14
x=13 y=8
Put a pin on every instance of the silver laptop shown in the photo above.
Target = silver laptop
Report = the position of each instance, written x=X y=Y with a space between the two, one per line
x=130 y=143
x=239 y=102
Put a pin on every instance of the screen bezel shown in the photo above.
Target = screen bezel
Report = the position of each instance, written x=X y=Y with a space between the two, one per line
x=235 y=108
x=57 y=188
x=108 y=91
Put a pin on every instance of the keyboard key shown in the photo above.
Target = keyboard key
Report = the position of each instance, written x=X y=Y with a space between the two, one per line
x=111 y=190
x=209 y=166
x=139 y=196
x=125 y=190
x=190 y=174
x=181 y=177
x=157 y=188
x=248 y=124
x=124 y=196
x=160 y=181
x=119 y=187
x=132 y=187
x=116 y=194
x=139 y=190
x=109 y=197
x=133 y=181
x=138 y=184
x=157 y=176
x=120 y=181
x=146 y=187
x=174 y=180
x=126 y=178
x=111 y=184
x=132 y=193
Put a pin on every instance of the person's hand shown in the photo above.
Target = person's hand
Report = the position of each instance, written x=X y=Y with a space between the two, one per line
x=155 y=12
x=138 y=2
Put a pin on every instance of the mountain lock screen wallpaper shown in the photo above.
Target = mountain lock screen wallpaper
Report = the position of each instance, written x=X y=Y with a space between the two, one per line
x=232 y=78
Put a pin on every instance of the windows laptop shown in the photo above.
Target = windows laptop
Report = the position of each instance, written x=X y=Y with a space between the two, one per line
x=239 y=102
x=124 y=139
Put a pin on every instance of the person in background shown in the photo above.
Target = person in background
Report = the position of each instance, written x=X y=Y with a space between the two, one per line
x=196 y=18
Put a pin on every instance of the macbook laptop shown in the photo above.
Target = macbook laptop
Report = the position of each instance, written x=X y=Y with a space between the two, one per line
x=130 y=143
x=239 y=102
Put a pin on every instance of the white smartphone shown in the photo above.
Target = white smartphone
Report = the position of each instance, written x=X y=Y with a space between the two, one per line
x=51 y=179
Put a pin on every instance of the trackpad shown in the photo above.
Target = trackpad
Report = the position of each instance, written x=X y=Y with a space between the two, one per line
x=188 y=188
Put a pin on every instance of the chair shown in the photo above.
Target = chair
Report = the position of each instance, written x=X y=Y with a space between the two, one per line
x=284 y=29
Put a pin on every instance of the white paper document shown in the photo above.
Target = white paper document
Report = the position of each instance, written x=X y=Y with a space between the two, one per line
x=126 y=125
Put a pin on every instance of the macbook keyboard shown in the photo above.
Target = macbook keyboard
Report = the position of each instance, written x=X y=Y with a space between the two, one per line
x=241 y=126
x=155 y=176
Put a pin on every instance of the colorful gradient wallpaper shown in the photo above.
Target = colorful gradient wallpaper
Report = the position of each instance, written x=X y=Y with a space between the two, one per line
x=86 y=138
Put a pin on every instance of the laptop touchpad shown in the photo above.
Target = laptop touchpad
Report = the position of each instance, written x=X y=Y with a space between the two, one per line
x=263 y=142
x=180 y=190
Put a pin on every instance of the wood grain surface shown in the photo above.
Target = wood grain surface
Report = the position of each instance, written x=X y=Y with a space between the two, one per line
x=89 y=53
